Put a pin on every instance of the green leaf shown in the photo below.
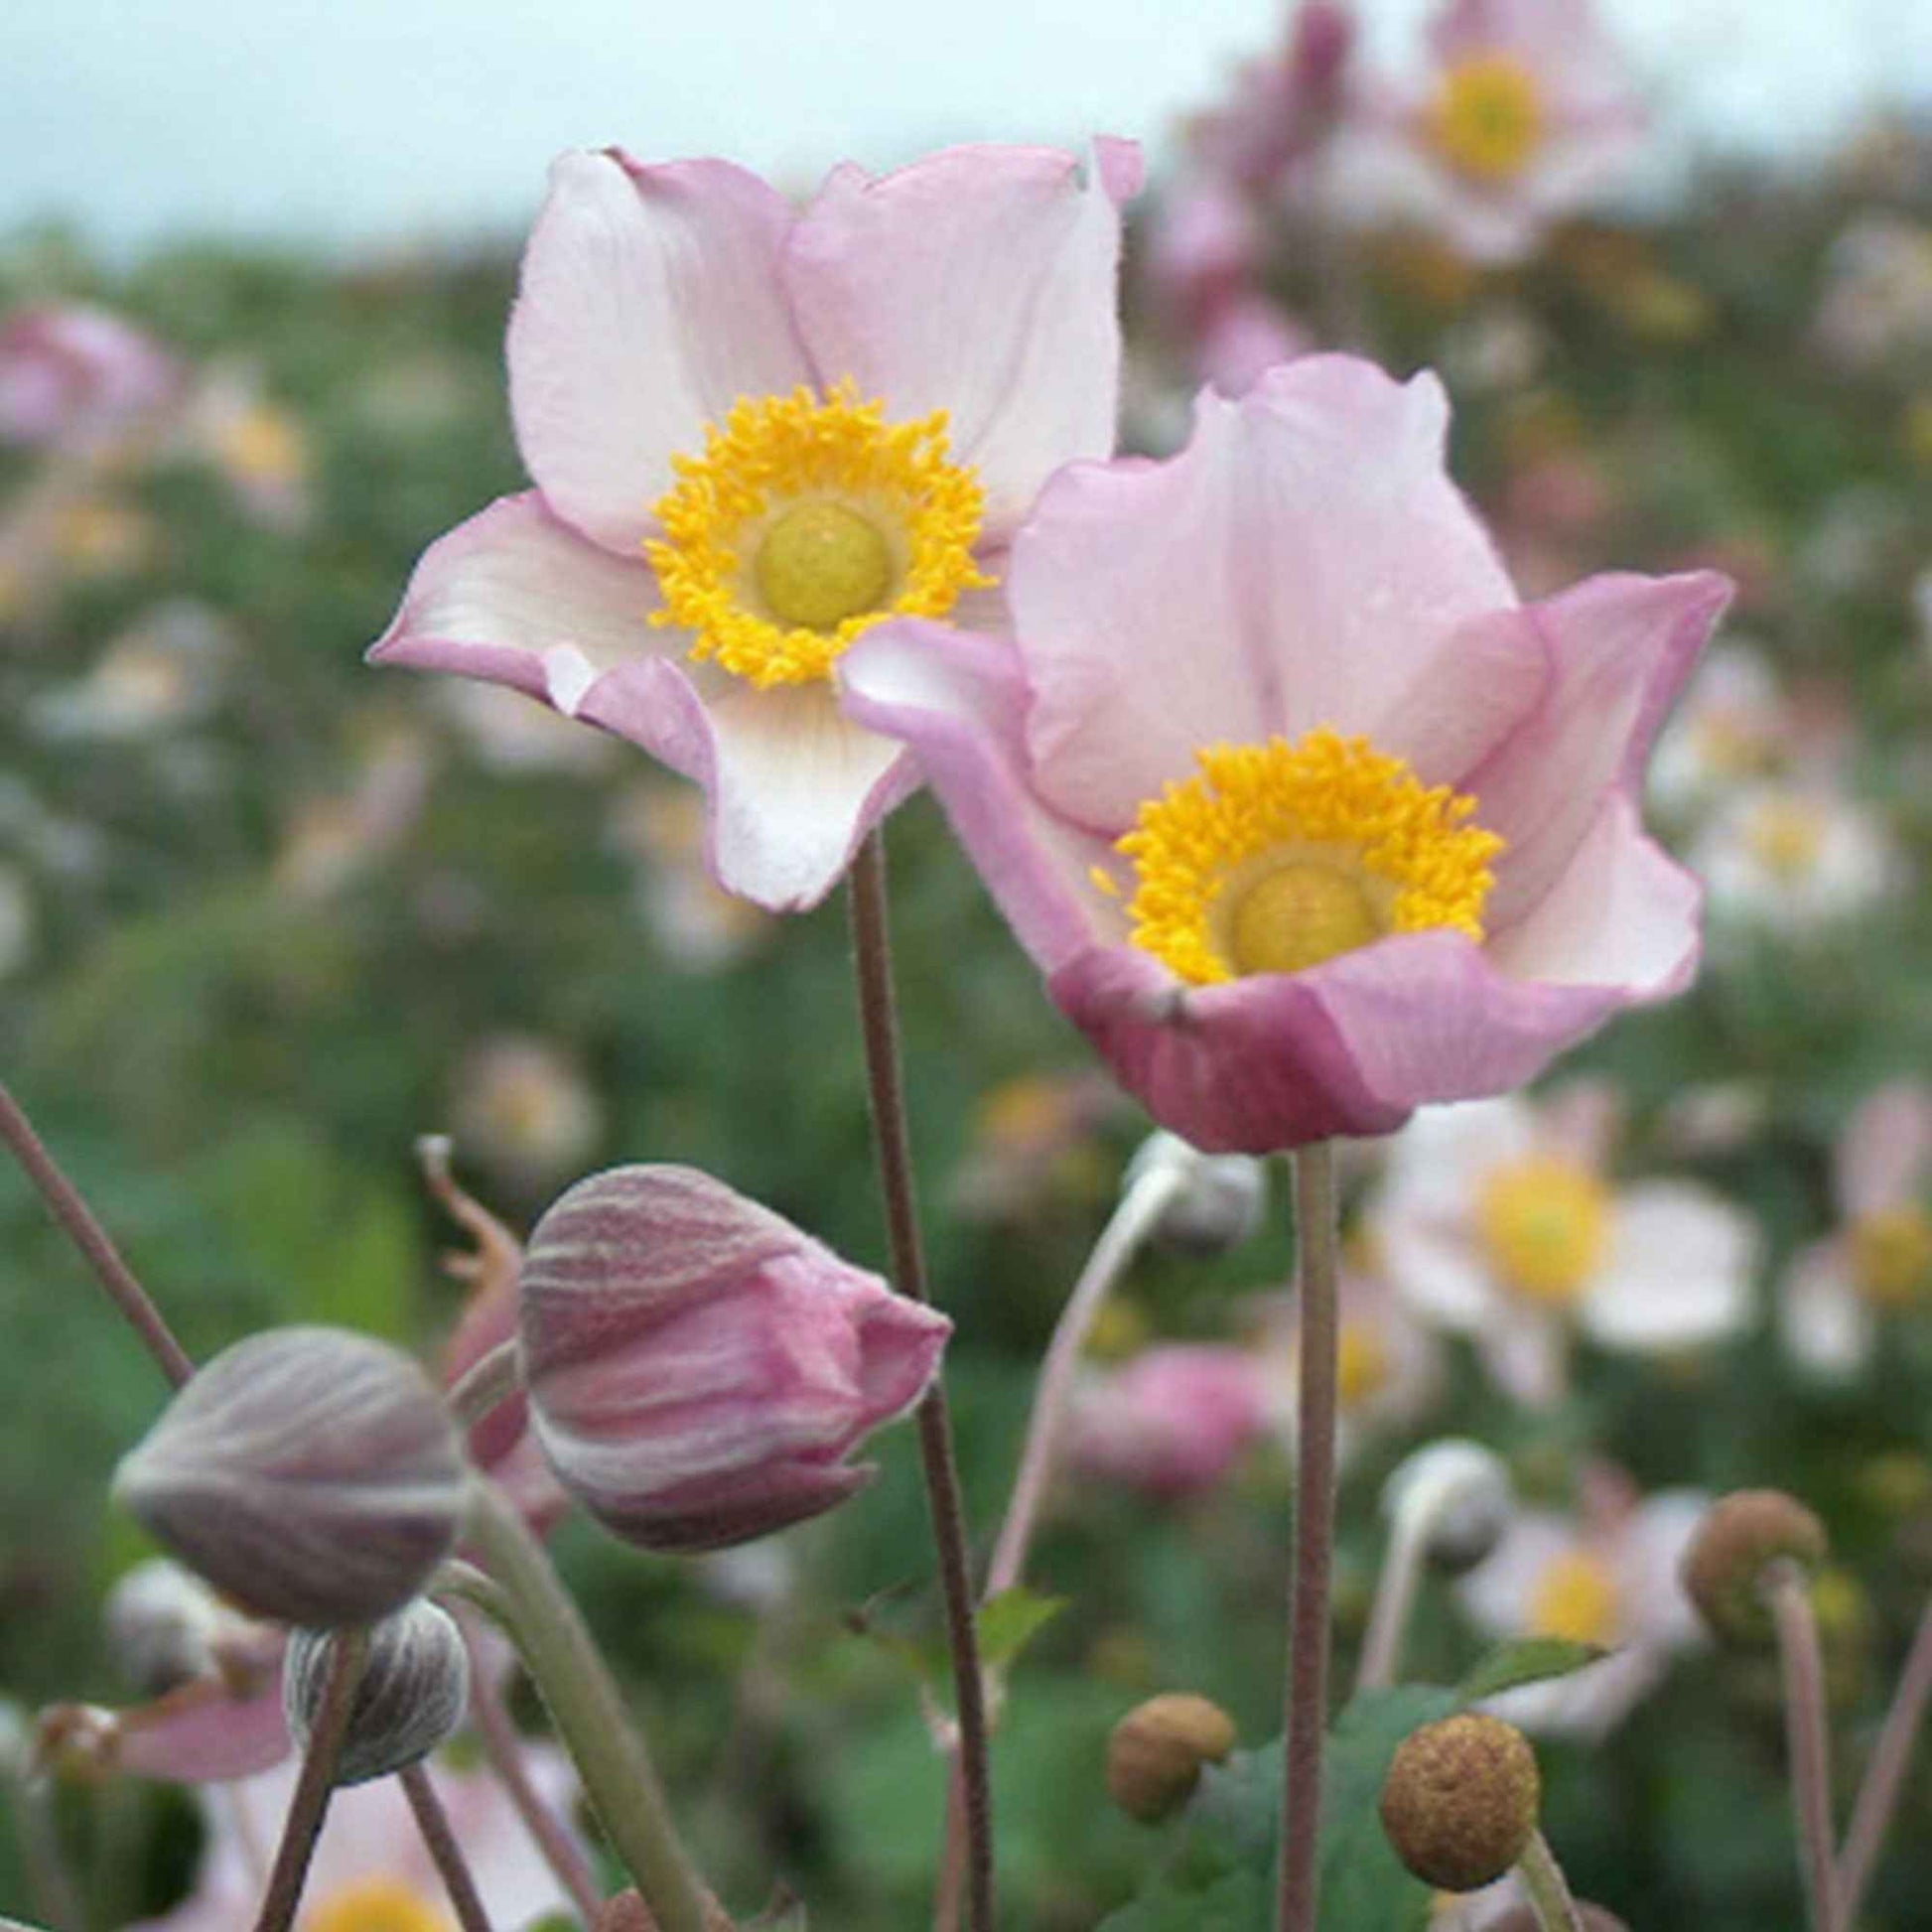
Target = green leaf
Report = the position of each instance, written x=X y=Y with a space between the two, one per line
x=1529 y=1660
x=1242 y=1901
x=1008 y=1622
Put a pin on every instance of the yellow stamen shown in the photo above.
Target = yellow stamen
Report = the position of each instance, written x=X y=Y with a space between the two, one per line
x=1575 y=1597
x=375 y=1905
x=806 y=521
x=1361 y=1362
x=1487 y=118
x=1785 y=836
x=1279 y=855
x=1545 y=1223
x=1891 y=1255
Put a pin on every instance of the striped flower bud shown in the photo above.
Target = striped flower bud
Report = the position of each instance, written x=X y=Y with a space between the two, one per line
x=310 y=1474
x=698 y=1368
x=411 y=1697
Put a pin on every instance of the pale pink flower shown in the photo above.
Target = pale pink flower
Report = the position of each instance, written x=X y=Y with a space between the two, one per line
x=372 y=1866
x=1526 y=112
x=1606 y=1575
x=1499 y=1221
x=1244 y=338
x=1877 y=1261
x=75 y=375
x=1232 y=673
x=1174 y=1422
x=684 y=327
x=1283 y=108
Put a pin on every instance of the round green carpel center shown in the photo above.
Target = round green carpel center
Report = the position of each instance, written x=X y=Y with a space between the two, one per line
x=1487 y=117
x=1297 y=915
x=821 y=563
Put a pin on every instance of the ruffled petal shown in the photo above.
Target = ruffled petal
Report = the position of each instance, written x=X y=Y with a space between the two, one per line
x=649 y=302
x=492 y=597
x=1678 y=1273
x=1620 y=647
x=791 y=786
x=981 y=281
x=960 y=702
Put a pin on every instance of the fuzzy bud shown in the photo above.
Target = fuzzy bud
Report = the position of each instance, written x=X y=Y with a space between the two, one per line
x=1460 y=1800
x=1156 y=1753
x=411 y=1697
x=1740 y=1537
x=1459 y=1495
x=698 y=1368
x=310 y=1474
x=1218 y=1203
x=163 y=1624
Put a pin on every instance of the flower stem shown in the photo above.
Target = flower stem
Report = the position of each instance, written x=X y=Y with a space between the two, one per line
x=1317 y=1237
x=1806 y=1737
x=1546 y=1888
x=588 y=1710
x=73 y=1214
x=879 y=1022
x=1395 y=1599
x=434 y=1823
x=1878 y=1798
x=315 y=1783
x=505 y=1749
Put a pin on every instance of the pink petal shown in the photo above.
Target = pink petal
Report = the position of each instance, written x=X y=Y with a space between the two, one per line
x=495 y=595
x=791 y=786
x=979 y=280
x=1620 y=647
x=960 y=702
x=649 y=303
x=199 y=1733
x=1886 y=1150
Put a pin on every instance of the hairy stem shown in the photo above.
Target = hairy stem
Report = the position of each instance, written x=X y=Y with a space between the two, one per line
x=1546 y=1888
x=1807 y=1737
x=434 y=1823
x=879 y=1022
x=1317 y=1237
x=588 y=1708
x=1877 y=1800
x=97 y=1249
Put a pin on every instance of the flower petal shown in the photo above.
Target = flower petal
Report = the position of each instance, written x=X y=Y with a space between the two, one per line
x=1826 y=1323
x=497 y=592
x=790 y=787
x=1620 y=647
x=981 y=281
x=1885 y=1149
x=649 y=302
x=1678 y=1273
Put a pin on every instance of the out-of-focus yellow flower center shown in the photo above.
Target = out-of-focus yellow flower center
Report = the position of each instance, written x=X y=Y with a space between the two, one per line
x=1279 y=855
x=1487 y=118
x=263 y=446
x=1362 y=1362
x=1575 y=1597
x=1785 y=837
x=1544 y=1224
x=375 y=1905
x=1891 y=1255
x=807 y=519
x=1729 y=746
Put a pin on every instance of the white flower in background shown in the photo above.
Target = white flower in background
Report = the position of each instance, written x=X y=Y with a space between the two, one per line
x=1793 y=858
x=1497 y=1219
x=163 y=672
x=523 y=1106
x=660 y=827
x=1879 y=1261
x=371 y=1872
x=1604 y=1574
x=332 y=841
x=1734 y=725
x=259 y=447
x=1878 y=301
x=508 y=734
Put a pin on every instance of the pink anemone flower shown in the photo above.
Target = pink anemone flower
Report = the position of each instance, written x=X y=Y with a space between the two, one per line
x=754 y=430
x=1527 y=111
x=1305 y=819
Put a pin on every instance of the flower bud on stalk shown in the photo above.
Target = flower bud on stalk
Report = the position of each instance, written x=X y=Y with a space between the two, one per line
x=1220 y=1203
x=1461 y=1495
x=411 y=1697
x=698 y=1368
x=310 y=1474
x=1461 y=1801
x=1157 y=1752
x=1740 y=1537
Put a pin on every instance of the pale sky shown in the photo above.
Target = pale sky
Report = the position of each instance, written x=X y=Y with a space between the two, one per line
x=372 y=122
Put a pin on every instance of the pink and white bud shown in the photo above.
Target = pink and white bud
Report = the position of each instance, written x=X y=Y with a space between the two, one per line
x=698 y=1368
x=310 y=1474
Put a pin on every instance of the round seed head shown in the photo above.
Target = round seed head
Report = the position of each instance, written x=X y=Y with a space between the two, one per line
x=1156 y=1753
x=1740 y=1537
x=1460 y=1800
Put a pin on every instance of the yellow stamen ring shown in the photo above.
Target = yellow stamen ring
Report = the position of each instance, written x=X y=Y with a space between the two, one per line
x=1278 y=856
x=805 y=521
x=1487 y=118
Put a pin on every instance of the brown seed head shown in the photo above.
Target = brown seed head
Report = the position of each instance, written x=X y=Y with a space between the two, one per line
x=1740 y=1537
x=1156 y=1753
x=1460 y=1800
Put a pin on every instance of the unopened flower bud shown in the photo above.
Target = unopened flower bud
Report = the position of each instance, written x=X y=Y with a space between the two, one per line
x=163 y=1623
x=1460 y=1495
x=1156 y=1753
x=410 y=1698
x=310 y=1474
x=1740 y=1537
x=1218 y=1201
x=698 y=1368
x=1460 y=1800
